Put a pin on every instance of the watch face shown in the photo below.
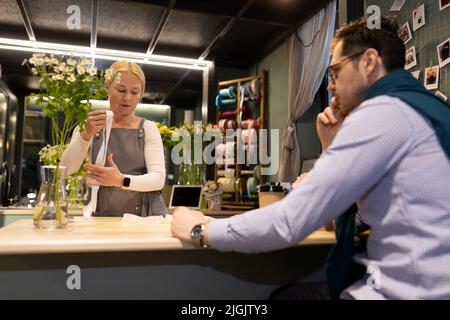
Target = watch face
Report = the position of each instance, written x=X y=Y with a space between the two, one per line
x=197 y=235
x=126 y=182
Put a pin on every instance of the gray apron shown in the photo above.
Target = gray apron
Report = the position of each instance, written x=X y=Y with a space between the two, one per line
x=127 y=147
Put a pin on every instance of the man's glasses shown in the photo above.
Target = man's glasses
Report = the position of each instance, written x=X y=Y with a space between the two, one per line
x=334 y=67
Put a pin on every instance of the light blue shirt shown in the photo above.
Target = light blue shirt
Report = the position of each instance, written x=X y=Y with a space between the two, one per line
x=387 y=158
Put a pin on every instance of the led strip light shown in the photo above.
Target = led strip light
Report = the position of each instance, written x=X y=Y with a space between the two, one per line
x=107 y=54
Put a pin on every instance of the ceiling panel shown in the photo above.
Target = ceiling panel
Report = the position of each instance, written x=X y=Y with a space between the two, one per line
x=127 y=26
x=216 y=7
x=279 y=11
x=11 y=25
x=187 y=34
x=240 y=45
x=13 y=31
x=49 y=19
x=9 y=13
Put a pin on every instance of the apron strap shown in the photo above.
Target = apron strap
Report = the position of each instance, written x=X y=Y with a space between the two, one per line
x=140 y=132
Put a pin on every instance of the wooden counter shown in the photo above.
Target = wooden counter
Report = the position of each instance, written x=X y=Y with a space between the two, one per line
x=103 y=235
x=29 y=211
x=11 y=214
x=128 y=260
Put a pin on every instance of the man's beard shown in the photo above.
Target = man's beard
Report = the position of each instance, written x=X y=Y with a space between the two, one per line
x=356 y=100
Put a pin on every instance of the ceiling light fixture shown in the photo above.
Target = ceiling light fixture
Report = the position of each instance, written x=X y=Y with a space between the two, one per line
x=99 y=53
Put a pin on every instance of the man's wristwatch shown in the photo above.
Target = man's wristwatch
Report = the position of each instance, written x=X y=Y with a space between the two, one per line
x=197 y=234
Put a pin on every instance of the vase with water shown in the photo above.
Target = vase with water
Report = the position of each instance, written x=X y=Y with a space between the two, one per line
x=51 y=204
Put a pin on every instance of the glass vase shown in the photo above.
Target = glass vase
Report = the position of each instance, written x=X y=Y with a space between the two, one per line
x=198 y=173
x=51 y=205
x=192 y=174
x=76 y=191
x=185 y=176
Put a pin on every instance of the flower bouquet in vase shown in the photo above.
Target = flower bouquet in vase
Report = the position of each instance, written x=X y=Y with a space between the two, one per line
x=66 y=85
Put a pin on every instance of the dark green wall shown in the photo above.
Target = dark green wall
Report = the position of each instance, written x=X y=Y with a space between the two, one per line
x=435 y=31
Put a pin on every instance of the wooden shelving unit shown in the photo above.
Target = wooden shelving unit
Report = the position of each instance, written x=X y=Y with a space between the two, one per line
x=239 y=199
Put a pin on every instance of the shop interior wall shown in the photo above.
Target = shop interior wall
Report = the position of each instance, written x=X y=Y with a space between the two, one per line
x=276 y=63
x=435 y=31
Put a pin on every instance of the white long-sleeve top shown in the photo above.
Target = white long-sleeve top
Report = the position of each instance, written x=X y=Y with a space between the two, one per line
x=153 y=180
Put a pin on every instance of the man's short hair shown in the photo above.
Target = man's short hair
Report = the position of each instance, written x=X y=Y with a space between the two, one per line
x=357 y=36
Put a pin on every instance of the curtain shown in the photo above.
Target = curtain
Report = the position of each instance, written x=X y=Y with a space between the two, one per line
x=309 y=56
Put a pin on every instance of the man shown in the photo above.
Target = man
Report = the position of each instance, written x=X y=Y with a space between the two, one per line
x=386 y=145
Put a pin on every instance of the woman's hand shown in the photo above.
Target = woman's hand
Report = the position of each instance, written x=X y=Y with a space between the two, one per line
x=96 y=121
x=104 y=176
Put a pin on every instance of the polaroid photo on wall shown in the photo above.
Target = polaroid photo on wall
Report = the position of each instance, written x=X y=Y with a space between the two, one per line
x=410 y=58
x=443 y=4
x=418 y=16
x=405 y=33
x=397 y=5
x=443 y=52
x=441 y=95
x=432 y=78
x=416 y=74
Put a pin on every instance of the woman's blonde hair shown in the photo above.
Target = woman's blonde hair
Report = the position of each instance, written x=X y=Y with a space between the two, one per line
x=126 y=66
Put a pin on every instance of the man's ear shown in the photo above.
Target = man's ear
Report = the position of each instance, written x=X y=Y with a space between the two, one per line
x=371 y=60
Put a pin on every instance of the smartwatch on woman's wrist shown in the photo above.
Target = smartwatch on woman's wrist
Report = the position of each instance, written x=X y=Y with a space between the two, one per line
x=126 y=182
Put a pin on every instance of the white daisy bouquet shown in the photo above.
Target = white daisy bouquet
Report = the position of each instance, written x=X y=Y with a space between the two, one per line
x=66 y=85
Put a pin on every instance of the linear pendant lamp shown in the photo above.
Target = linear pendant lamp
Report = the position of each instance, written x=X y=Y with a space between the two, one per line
x=99 y=53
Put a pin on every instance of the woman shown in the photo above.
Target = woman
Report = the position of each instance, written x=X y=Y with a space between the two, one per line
x=134 y=171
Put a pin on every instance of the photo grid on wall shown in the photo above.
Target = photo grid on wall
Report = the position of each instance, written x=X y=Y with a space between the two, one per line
x=424 y=30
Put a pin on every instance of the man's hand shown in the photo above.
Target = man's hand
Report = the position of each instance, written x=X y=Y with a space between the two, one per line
x=299 y=179
x=183 y=220
x=328 y=123
x=104 y=176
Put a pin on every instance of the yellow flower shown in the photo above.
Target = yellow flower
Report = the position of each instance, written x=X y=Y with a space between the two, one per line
x=162 y=129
